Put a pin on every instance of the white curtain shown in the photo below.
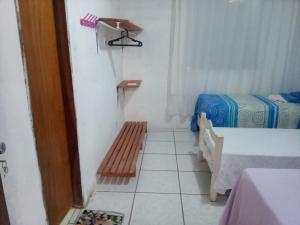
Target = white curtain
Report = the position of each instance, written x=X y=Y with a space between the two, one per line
x=232 y=46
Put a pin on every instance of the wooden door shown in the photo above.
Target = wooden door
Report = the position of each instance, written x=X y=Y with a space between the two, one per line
x=47 y=101
x=3 y=210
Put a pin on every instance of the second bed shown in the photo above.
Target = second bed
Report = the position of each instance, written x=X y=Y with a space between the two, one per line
x=230 y=150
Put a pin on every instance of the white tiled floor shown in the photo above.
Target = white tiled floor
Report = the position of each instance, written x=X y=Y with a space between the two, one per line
x=191 y=163
x=157 y=209
x=171 y=186
x=117 y=184
x=186 y=148
x=160 y=136
x=160 y=147
x=198 y=210
x=159 y=162
x=113 y=201
x=158 y=182
x=194 y=182
x=185 y=136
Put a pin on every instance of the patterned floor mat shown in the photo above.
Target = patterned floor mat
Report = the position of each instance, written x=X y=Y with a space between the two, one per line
x=99 y=217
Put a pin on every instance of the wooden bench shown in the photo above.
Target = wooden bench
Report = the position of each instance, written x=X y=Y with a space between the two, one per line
x=120 y=160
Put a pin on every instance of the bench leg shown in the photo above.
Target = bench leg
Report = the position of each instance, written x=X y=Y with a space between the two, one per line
x=212 y=196
x=212 y=192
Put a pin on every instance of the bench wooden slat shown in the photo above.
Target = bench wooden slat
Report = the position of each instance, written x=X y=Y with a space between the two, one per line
x=133 y=153
x=113 y=147
x=122 y=157
x=125 y=158
x=135 y=147
x=132 y=169
x=122 y=144
x=125 y=143
x=119 y=146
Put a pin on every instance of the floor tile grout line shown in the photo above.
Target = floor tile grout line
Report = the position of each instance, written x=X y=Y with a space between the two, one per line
x=170 y=140
x=170 y=130
x=161 y=140
x=195 y=194
x=145 y=192
x=183 y=171
x=138 y=192
x=150 y=153
x=143 y=153
x=180 y=195
x=158 y=193
x=137 y=182
x=121 y=192
x=194 y=171
x=153 y=153
x=180 y=171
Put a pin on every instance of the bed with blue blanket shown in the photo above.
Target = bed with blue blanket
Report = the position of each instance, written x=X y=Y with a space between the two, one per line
x=248 y=111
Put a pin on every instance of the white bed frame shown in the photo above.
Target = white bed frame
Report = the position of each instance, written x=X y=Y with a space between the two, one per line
x=280 y=149
x=209 y=139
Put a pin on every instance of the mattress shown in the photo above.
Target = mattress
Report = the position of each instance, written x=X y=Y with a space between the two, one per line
x=264 y=196
x=251 y=111
x=255 y=148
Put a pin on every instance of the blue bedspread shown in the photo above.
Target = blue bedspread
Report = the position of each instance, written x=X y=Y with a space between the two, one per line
x=246 y=111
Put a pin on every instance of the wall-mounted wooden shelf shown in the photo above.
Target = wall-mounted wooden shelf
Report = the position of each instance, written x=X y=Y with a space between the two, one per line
x=129 y=84
x=121 y=24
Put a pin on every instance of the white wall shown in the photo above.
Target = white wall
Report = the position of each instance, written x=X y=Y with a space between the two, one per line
x=149 y=63
x=98 y=109
x=95 y=77
x=22 y=185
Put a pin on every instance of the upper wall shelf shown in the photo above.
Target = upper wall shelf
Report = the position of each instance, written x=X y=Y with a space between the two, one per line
x=121 y=24
x=129 y=84
x=89 y=20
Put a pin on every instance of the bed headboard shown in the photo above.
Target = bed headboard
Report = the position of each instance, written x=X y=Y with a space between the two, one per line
x=210 y=143
x=210 y=147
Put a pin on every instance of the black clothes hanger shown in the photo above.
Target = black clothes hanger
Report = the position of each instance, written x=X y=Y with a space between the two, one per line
x=112 y=42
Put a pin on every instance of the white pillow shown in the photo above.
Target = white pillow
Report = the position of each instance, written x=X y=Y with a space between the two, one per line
x=277 y=98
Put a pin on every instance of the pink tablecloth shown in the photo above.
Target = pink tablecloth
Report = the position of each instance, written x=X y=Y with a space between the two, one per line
x=264 y=197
